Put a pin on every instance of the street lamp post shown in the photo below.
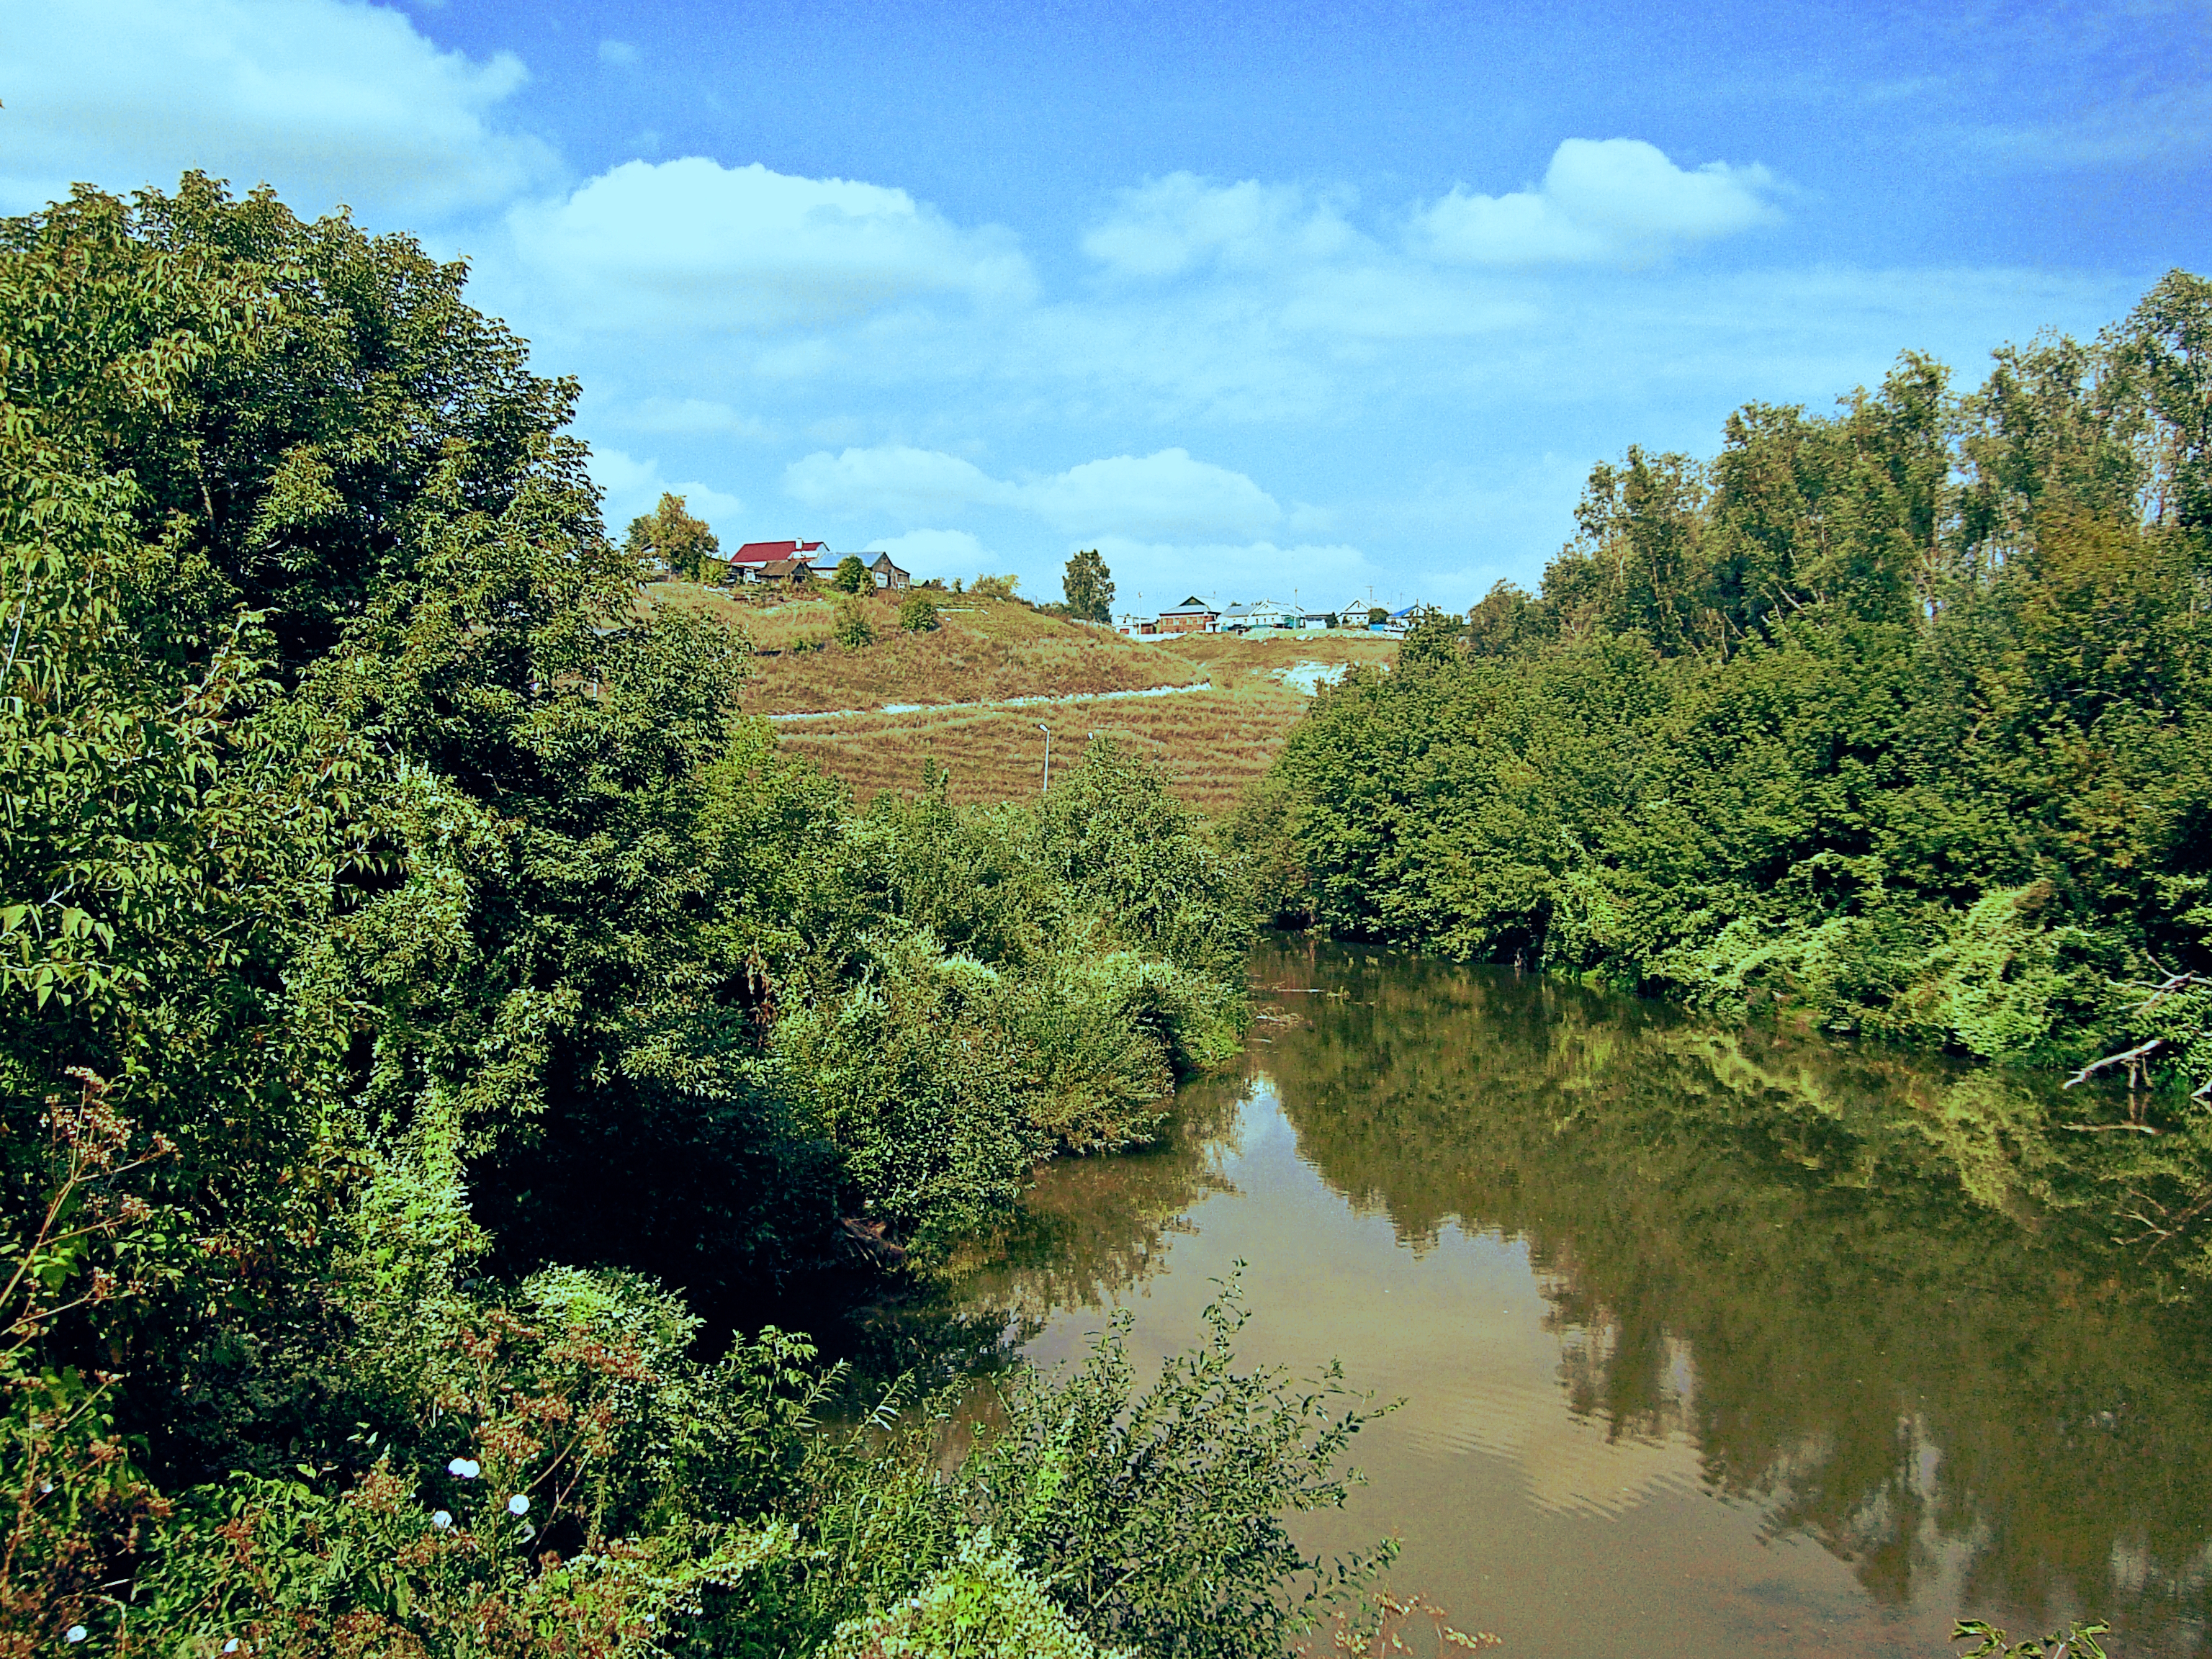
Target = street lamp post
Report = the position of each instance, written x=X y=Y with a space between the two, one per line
x=1046 y=730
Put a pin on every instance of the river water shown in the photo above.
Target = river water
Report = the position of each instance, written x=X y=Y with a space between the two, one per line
x=1708 y=1341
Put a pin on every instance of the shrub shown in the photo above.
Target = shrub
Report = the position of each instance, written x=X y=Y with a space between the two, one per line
x=982 y=1607
x=919 y=613
x=855 y=630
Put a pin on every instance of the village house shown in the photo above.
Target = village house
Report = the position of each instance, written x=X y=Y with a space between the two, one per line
x=888 y=576
x=750 y=562
x=1193 y=616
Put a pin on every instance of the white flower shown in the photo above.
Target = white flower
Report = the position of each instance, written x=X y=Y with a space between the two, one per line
x=75 y=1633
x=518 y=1504
x=440 y=1519
x=466 y=1468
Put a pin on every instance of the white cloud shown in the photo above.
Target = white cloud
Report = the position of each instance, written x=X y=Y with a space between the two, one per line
x=911 y=484
x=2170 y=125
x=1167 y=225
x=1164 y=493
x=690 y=414
x=329 y=101
x=634 y=486
x=693 y=244
x=621 y=54
x=1601 y=199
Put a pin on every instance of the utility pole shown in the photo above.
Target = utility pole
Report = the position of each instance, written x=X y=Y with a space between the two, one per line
x=1046 y=730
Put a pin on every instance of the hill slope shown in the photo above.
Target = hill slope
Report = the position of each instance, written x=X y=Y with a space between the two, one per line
x=1231 y=704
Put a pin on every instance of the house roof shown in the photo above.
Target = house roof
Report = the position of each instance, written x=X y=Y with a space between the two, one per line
x=764 y=552
x=883 y=561
x=785 y=567
x=1192 y=605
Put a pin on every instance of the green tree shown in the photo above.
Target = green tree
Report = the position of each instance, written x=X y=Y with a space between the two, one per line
x=919 y=613
x=1088 y=586
x=851 y=575
x=1899 y=715
x=673 y=535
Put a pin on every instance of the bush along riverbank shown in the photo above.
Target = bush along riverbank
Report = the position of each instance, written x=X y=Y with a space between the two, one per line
x=413 y=969
x=1899 y=718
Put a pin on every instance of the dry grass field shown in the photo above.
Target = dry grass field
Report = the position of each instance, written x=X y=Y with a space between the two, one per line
x=1213 y=742
x=984 y=651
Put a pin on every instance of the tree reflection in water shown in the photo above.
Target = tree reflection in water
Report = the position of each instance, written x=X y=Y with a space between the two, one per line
x=1895 y=1285
x=1881 y=1296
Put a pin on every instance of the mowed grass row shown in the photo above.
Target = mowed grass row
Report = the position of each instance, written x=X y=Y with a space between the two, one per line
x=1212 y=743
x=982 y=651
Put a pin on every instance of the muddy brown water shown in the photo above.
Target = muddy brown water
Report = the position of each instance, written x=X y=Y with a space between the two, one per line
x=1709 y=1340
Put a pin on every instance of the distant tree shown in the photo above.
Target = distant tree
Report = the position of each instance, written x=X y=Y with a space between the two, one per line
x=919 y=613
x=676 y=538
x=1436 y=636
x=1089 y=585
x=1505 y=620
x=851 y=575
x=994 y=588
x=854 y=629
x=1377 y=616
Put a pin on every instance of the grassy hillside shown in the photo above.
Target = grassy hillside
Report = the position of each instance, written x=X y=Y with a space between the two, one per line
x=1213 y=740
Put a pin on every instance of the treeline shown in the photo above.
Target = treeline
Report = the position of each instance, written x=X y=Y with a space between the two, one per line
x=412 y=969
x=1899 y=716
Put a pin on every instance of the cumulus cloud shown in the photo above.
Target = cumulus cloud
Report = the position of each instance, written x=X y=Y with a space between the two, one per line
x=1168 y=226
x=329 y=101
x=1601 y=199
x=1164 y=493
x=632 y=486
x=906 y=483
x=695 y=244
x=619 y=54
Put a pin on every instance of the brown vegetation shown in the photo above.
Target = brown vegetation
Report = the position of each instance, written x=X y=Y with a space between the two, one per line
x=1213 y=742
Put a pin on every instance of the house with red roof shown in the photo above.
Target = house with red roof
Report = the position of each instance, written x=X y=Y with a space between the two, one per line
x=750 y=562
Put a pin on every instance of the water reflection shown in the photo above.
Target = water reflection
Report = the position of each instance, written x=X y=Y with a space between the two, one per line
x=1711 y=1340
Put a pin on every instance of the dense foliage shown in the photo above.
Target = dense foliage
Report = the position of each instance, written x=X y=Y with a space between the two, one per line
x=392 y=910
x=1901 y=716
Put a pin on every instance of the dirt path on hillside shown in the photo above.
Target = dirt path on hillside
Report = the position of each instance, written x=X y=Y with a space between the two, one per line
x=1001 y=702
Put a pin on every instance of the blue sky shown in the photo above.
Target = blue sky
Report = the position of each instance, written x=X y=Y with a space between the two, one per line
x=1255 y=298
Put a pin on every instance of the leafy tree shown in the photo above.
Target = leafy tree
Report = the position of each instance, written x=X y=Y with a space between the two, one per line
x=851 y=575
x=1089 y=587
x=1377 y=616
x=918 y=615
x=994 y=588
x=1899 y=714
x=671 y=535
x=381 y=888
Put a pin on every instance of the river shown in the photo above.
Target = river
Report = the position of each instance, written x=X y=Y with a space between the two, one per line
x=1708 y=1341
